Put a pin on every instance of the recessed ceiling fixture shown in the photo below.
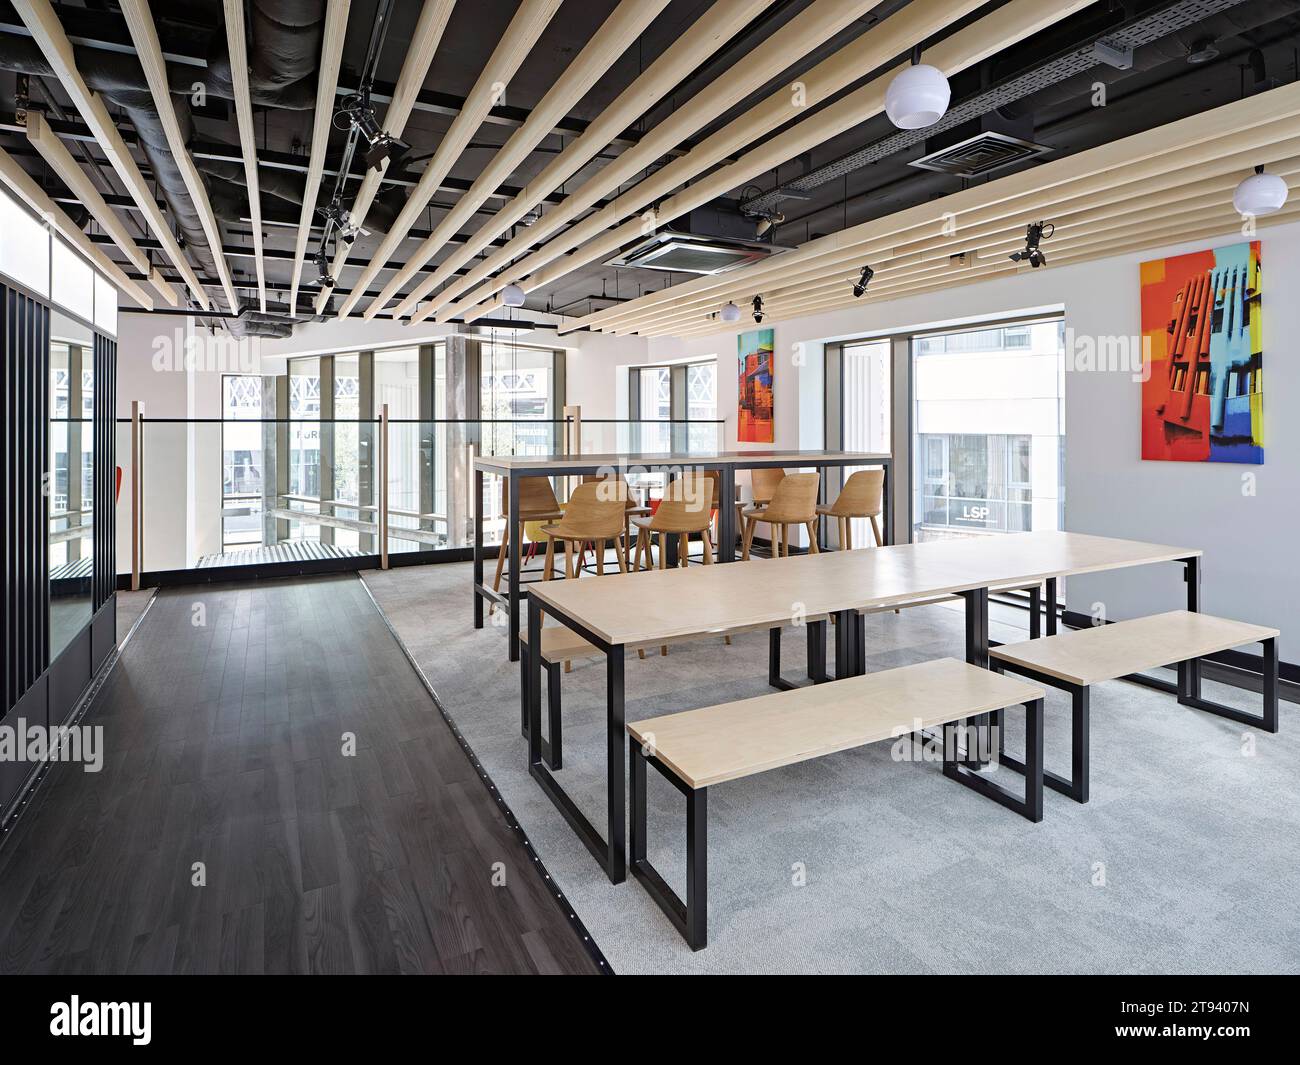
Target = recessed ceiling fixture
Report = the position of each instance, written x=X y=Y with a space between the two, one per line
x=730 y=313
x=1032 y=255
x=918 y=96
x=1260 y=194
x=864 y=279
x=512 y=296
x=758 y=309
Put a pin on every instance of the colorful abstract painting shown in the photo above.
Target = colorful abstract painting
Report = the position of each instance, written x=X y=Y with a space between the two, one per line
x=755 y=422
x=1203 y=390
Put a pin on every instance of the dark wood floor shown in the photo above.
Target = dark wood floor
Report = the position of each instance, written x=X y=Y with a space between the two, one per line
x=224 y=745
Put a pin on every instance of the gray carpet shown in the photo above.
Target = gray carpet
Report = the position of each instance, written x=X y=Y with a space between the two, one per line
x=1183 y=861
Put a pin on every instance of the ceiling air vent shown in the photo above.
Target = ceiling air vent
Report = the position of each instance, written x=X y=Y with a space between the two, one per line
x=980 y=154
x=688 y=253
x=707 y=240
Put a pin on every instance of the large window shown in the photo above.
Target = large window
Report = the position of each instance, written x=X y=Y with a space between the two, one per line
x=241 y=460
x=989 y=430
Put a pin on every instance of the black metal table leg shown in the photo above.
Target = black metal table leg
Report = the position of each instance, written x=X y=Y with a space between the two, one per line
x=727 y=514
x=1051 y=606
x=1036 y=613
x=515 y=560
x=478 y=549
x=615 y=782
x=887 y=506
x=1192 y=574
x=817 y=652
x=1030 y=805
x=845 y=646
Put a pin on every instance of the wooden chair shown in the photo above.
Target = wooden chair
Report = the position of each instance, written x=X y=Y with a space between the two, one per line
x=861 y=497
x=537 y=502
x=633 y=509
x=686 y=508
x=595 y=514
x=762 y=483
x=794 y=502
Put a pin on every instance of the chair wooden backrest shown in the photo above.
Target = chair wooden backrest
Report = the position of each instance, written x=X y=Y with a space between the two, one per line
x=764 y=482
x=862 y=495
x=795 y=500
x=595 y=511
x=536 y=496
x=598 y=478
x=687 y=505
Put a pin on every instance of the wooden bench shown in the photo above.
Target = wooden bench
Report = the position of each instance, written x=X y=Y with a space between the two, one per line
x=697 y=749
x=1074 y=661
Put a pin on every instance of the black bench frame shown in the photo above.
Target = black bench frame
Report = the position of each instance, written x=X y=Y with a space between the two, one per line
x=690 y=917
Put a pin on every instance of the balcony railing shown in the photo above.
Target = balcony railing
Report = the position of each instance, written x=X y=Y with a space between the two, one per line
x=199 y=493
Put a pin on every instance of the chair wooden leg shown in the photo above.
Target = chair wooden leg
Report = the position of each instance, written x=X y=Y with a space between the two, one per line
x=747 y=539
x=501 y=565
x=599 y=547
x=848 y=533
x=620 y=555
x=683 y=550
x=842 y=539
x=875 y=529
x=812 y=538
x=708 y=547
x=640 y=653
x=571 y=557
x=663 y=550
x=548 y=570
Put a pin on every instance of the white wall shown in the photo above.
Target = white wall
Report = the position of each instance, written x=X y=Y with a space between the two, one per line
x=1249 y=571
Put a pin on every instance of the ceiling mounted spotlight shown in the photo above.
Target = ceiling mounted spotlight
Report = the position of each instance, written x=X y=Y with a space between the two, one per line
x=1203 y=49
x=729 y=313
x=1260 y=194
x=758 y=309
x=918 y=96
x=357 y=113
x=767 y=221
x=864 y=279
x=323 y=265
x=512 y=296
x=1032 y=255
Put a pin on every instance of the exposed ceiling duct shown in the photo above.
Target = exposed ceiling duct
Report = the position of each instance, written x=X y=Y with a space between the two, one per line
x=284 y=52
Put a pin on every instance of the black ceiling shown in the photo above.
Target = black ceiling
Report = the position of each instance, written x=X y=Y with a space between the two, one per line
x=1256 y=42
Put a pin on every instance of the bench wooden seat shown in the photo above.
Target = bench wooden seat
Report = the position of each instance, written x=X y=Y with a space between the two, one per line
x=697 y=749
x=1076 y=660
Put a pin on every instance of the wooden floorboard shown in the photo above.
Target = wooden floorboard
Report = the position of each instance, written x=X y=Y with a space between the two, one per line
x=277 y=746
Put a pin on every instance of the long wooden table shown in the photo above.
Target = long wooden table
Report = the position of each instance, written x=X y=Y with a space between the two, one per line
x=515 y=467
x=623 y=610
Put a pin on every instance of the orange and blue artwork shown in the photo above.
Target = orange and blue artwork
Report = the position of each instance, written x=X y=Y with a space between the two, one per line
x=755 y=421
x=1203 y=387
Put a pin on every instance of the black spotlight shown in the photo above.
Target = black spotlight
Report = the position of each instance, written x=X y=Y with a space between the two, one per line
x=758 y=308
x=360 y=115
x=864 y=279
x=1033 y=255
x=323 y=265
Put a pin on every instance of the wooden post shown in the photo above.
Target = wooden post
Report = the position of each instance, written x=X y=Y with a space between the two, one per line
x=137 y=492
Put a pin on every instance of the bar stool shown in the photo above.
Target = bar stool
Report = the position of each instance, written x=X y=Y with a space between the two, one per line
x=686 y=508
x=861 y=497
x=762 y=483
x=793 y=503
x=633 y=509
x=596 y=514
x=537 y=502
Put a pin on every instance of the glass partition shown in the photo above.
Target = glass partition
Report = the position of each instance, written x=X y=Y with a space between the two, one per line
x=246 y=490
x=71 y=478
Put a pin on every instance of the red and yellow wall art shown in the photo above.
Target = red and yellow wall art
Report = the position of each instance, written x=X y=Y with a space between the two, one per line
x=755 y=424
x=1203 y=390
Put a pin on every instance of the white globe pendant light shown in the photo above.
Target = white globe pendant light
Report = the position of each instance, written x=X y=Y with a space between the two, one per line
x=1260 y=194
x=917 y=97
x=512 y=296
x=730 y=312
